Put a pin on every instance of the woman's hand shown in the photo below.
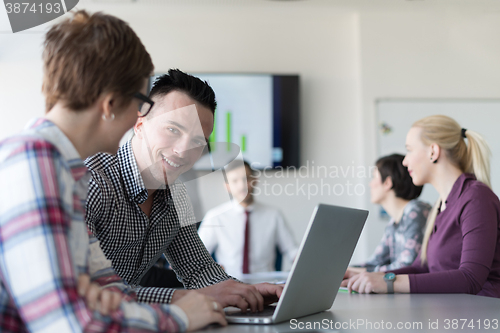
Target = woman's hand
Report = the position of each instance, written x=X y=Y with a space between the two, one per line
x=201 y=310
x=365 y=283
x=351 y=271
x=96 y=298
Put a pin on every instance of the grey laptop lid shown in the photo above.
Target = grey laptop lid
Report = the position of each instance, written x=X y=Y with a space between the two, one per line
x=318 y=269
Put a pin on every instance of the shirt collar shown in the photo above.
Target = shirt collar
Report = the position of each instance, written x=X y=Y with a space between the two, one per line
x=458 y=187
x=49 y=131
x=249 y=208
x=134 y=184
x=409 y=206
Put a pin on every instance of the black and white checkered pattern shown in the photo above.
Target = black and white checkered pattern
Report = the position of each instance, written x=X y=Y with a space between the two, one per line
x=134 y=242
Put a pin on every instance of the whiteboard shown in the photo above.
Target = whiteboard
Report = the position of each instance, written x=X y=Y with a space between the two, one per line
x=395 y=117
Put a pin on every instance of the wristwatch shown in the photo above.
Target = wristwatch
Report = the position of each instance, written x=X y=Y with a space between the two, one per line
x=389 y=279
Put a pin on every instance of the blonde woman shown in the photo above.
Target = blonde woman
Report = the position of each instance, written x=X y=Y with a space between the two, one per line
x=461 y=247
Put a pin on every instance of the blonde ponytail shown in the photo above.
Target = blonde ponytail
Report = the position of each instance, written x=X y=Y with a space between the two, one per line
x=478 y=156
x=428 y=231
x=472 y=158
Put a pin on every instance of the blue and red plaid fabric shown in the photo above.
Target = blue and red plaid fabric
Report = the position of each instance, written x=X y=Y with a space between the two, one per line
x=45 y=245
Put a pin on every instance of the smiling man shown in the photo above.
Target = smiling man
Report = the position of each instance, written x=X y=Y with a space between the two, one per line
x=138 y=209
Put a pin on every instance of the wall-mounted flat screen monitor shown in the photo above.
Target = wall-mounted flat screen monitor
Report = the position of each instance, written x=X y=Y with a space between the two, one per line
x=257 y=115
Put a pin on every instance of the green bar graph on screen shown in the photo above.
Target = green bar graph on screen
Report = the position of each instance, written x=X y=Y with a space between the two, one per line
x=228 y=130
x=243 y=143
x=213 y=135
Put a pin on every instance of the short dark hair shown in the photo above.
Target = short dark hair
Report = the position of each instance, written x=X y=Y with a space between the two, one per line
x=402 y=184
x=237 y=164
x=177 y=80
x=88 y=54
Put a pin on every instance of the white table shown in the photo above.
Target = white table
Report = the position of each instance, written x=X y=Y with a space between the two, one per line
x=415 y=311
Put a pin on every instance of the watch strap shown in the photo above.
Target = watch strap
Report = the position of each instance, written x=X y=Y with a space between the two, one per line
x=390 y=286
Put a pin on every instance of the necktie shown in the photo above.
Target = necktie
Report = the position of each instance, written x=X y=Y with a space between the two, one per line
x=246 y=246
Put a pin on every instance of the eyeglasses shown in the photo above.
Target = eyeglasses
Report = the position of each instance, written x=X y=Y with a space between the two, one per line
x=144 y=99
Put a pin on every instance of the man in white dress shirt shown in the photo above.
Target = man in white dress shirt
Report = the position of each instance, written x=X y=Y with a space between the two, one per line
x=244 y=236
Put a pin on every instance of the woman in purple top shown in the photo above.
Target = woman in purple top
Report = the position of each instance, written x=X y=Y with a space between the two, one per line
x=461 y=248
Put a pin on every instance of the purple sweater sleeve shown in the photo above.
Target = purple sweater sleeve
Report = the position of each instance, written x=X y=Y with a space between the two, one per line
x=478 y=225
x=415 y=268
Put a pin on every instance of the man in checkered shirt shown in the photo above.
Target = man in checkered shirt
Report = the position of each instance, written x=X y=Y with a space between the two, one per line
x=137 y=218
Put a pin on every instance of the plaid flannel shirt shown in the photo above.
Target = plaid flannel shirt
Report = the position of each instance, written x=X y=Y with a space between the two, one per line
x=45 y=245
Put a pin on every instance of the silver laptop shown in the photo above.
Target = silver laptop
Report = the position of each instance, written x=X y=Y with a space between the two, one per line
x=318 y=269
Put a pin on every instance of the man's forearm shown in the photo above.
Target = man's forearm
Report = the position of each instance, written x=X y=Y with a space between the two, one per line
x=155 y=294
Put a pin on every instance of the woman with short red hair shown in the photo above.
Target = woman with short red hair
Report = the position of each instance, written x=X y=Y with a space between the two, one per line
x=95 y=76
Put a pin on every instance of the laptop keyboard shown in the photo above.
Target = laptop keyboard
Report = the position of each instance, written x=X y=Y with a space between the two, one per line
x=268 y=312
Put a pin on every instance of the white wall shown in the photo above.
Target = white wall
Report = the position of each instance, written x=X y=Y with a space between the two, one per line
x=450 y=52
x=272 y=37
x=20 y=80
x=348 y=54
